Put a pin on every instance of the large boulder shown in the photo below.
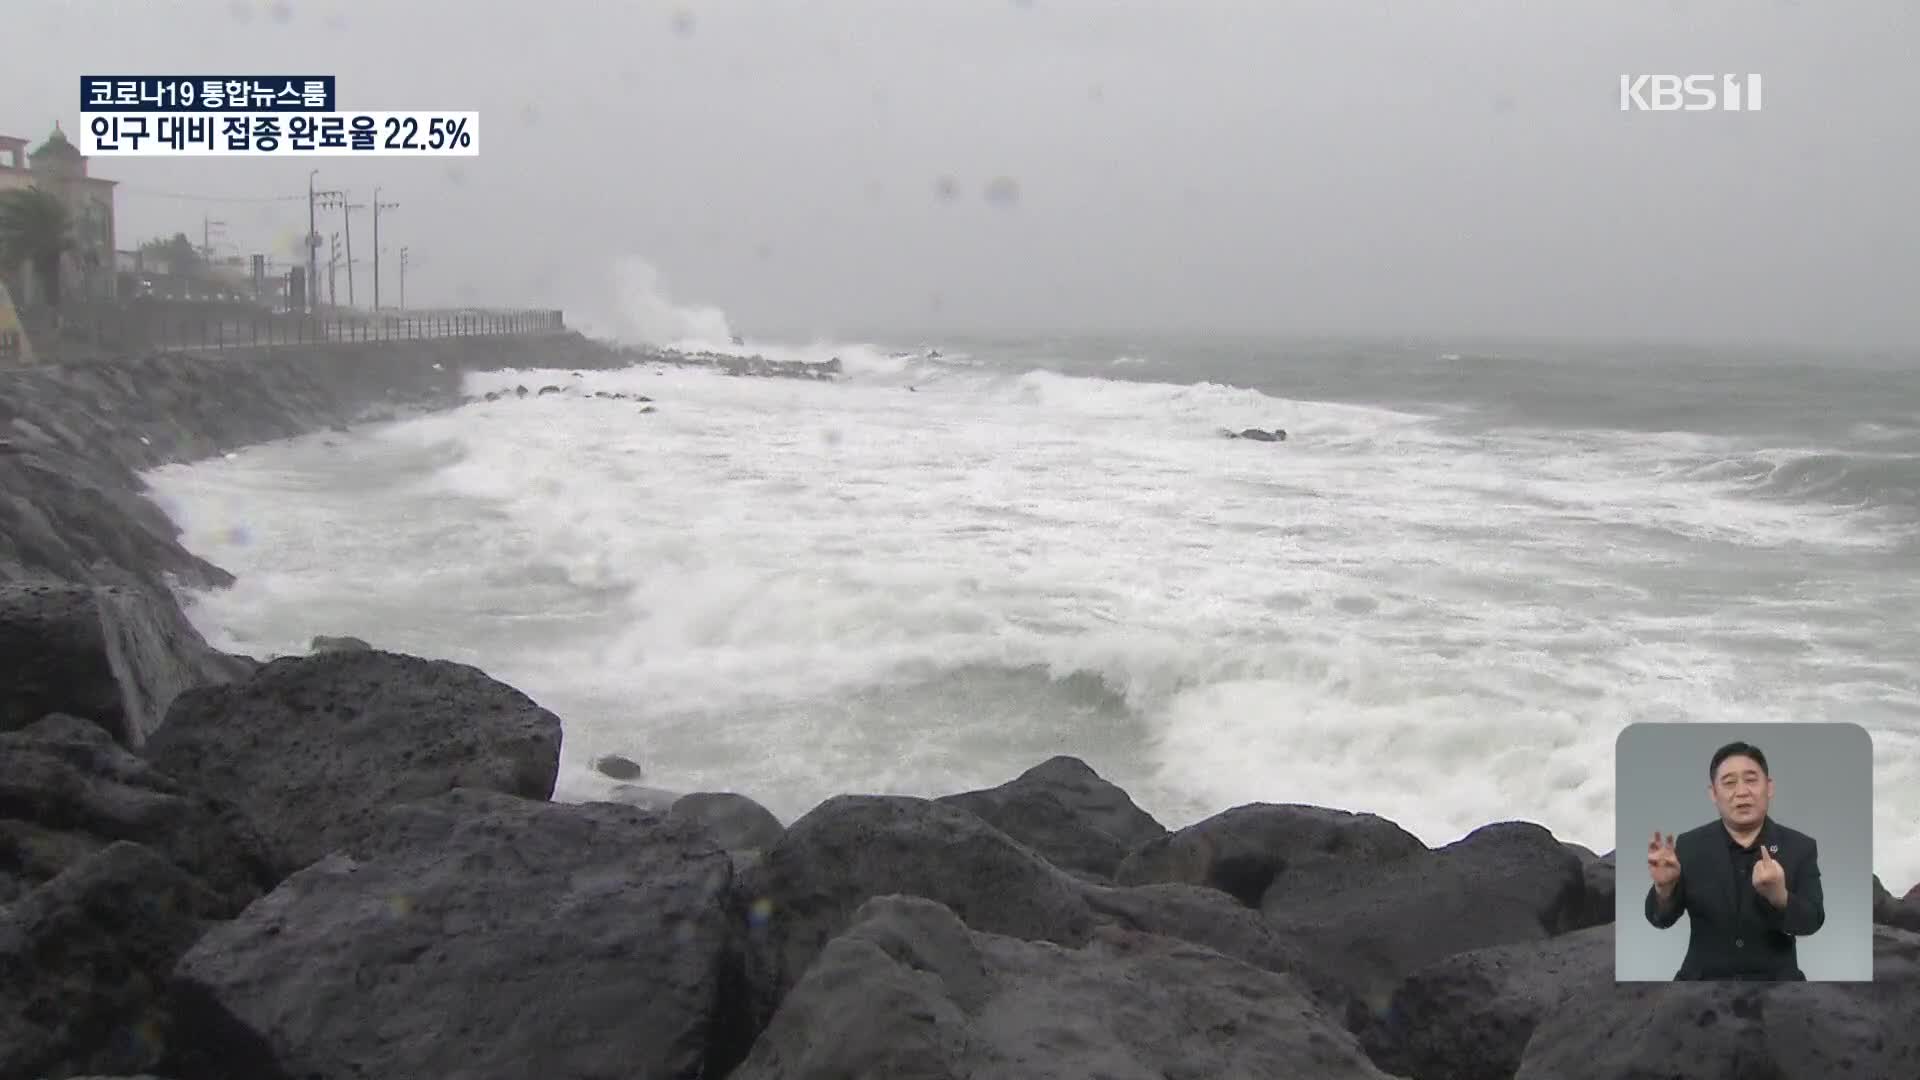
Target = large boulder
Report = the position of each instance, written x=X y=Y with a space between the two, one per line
x=1730 y=1031
x=117 y=655
x=483 y=936
x=1068 y=813
x=853 y=848
x=910 y=991
x=313 y=748
x=68 y=791
x=1469 y=1016
x=743 y=827
x=1252 y=850
x=1502 y=884
x=84 y=961
x=1208 y=917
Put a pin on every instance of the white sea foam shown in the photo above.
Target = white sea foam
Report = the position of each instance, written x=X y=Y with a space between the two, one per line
x=798 y=588
x=794 y=589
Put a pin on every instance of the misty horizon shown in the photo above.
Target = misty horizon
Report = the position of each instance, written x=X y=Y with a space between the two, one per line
x=1305 y=170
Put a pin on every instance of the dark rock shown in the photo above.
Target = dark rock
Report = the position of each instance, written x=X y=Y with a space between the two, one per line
x=853 y=848
x=549 y=389
x=478 y=935
x=911 y=991
x=68 y=792
x=1597 y=871
x=314 y=747
x=1469 y=1016
x=1503 y=884
x=652 y=799
x=70 y=517
x=618 y=767
x=324 y=643
x=1068 y=813
x=1730 y=1031
x=1887 y=911
x=736 y=823
x=1203 y=916
x=1260 y=848
x=1896 y=956
x=491 y=395
x=84 y=962
x=115 y=655
x=520 y=391
x=1257 y=435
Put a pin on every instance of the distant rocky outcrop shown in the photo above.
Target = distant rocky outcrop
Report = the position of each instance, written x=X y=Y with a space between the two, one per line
x=1256 y=434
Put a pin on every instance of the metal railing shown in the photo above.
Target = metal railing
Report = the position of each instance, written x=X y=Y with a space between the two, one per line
x=112 y=328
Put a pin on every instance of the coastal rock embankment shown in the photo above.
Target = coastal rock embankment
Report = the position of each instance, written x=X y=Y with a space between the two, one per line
x=349 y=864
x=74 y=437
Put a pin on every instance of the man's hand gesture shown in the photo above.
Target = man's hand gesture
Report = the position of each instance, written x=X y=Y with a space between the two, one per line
x=1770 y=879
x=1663 y=865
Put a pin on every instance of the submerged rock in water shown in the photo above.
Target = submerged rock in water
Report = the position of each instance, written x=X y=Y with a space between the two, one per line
x=618 y=767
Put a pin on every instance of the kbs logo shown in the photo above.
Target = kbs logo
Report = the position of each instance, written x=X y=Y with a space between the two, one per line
x=1689 y=93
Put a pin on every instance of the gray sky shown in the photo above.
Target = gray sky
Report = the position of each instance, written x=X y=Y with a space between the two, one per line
x=1370 y=166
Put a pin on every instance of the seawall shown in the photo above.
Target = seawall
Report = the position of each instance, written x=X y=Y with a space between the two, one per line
x=73 y=438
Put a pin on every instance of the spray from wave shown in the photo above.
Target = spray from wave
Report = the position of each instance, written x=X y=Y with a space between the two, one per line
x=635 y=309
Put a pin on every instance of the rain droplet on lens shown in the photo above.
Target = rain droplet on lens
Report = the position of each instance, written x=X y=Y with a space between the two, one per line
x=683 y=22
x=946 y=188
x=1002 y=191
x=280 y=12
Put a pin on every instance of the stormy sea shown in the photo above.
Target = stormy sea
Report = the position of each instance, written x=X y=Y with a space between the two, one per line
x=1439 y=599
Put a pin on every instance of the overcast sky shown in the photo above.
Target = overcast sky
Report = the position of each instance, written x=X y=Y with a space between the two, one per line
x=1370 y=166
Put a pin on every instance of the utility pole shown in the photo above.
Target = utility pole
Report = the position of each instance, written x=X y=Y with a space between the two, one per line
x=337 y=200
x=313 y=241
x=346 y=212
x=403 y=277
x=377 y=207
x=333 y=264
x=207 y=225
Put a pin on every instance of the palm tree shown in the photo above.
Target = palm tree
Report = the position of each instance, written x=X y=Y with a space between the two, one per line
x=36 y=230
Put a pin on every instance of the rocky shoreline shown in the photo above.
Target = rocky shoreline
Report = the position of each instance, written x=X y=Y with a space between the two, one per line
x=348 y=864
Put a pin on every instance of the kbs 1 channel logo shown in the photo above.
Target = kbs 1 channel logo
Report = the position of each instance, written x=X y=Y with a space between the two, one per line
x=1690 y=93
x=256 y=115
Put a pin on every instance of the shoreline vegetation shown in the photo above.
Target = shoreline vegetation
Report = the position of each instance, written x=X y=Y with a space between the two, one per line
x=348 y=863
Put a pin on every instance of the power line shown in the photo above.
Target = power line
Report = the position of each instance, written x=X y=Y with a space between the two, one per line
x=151 y=193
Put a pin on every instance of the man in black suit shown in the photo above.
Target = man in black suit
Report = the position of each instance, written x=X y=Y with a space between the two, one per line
x=1749 y=885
